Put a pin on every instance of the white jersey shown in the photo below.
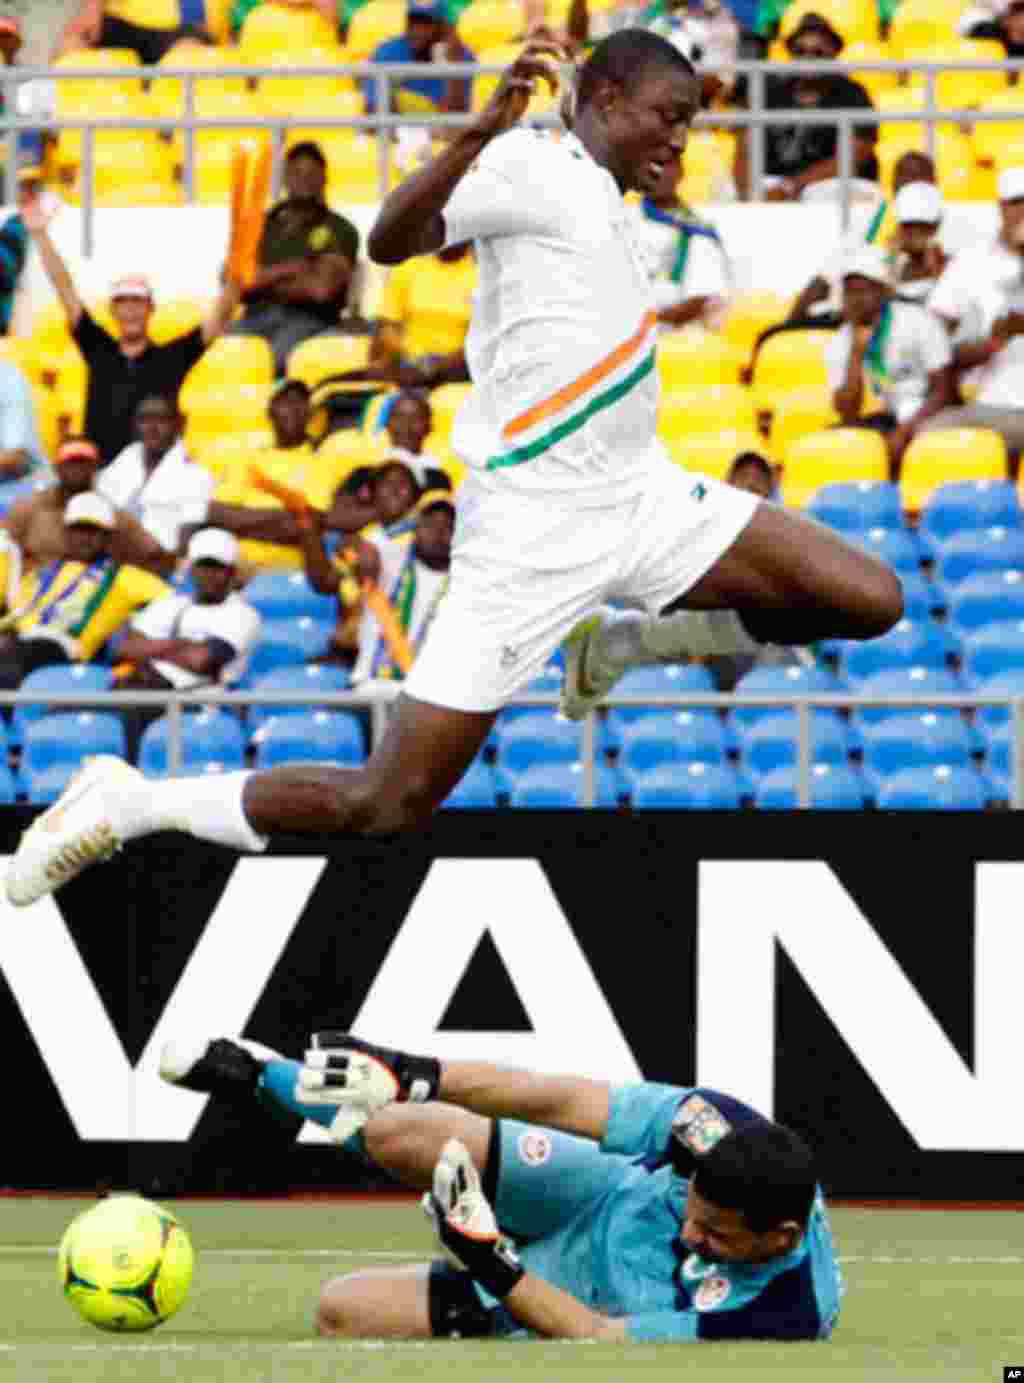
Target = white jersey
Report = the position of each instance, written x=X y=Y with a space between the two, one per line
x=561 y=344
x=682 y=263
x=414 y=591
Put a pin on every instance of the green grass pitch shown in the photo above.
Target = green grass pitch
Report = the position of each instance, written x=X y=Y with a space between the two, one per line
x=930 y=1295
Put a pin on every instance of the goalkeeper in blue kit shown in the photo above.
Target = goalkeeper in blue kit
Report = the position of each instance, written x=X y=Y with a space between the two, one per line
x=564 y=1207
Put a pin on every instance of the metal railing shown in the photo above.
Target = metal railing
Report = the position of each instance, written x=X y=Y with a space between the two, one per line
x=176 y=704
x=384 y=76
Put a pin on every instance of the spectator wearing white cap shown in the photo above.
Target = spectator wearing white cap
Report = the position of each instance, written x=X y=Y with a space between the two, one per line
x=897 y=347
x=123 y=370
x=918 y=259
x=980 y=296
x=65 y=611
x=190 y=640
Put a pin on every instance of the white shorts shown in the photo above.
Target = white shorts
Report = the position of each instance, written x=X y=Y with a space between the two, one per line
x=526 y=570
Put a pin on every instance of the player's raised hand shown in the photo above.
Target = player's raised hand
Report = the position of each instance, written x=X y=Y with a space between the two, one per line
x=465 y=1224
x=540 y=60
x=360 y=1078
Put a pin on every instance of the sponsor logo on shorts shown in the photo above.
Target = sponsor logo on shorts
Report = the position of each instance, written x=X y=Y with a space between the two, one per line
x=712 y=1292
x=534 y=1148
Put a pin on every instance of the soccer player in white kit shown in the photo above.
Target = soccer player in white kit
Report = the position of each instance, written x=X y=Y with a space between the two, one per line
x=571 y=501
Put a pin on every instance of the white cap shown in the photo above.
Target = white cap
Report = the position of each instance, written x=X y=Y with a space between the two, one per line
x=213 y=545
x=919 y=201
x=1011 y=184
x=89 y=507
x=868 y=262
x=134 y=286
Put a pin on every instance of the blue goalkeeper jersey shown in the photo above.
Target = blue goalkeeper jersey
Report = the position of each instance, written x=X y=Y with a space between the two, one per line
x=623 y=1256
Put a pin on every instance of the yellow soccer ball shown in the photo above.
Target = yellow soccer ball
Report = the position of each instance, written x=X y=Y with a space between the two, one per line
x=125 y=1264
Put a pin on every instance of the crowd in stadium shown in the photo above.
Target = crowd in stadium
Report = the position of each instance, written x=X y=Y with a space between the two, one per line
x=260 y=491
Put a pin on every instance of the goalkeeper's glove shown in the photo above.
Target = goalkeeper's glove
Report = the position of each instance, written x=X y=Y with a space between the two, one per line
x=361 y=1078
x=465 y=1225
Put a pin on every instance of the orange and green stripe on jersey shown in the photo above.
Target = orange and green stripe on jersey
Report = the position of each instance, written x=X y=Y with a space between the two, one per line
x=566 y=411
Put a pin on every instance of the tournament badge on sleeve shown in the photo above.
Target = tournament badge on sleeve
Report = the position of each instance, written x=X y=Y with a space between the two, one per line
x=698 y=1125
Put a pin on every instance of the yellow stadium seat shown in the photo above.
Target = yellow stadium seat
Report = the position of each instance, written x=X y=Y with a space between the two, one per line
x=308 y=98
x=176 y=316
x=83 y=98
x=712 y=453
x=270 y=30
x=353 y=167
x=876 y=84
x=320 y=356
x=827 y=458
x=214 y=414
x=954 y=162
x=954 y=90
x=993 y=140
x=856 y=20
x=445 y=402
x=218 y=454
x=348 y=441
x=751 y=313
x=787 y=361
x=167 y=94
x=486 y=23
x=798 y=414
x=953 y=454
x=920 y=23
x=372 y=25
x=692 y=356
x=688 y=414
x=503 y=55
x=707 y=166
x=242 y=363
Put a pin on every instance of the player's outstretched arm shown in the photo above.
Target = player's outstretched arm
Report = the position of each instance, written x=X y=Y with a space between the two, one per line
x=344 y=1070
x=409 y=221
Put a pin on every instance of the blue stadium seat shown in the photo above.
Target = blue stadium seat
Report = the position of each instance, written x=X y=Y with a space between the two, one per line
x=834 y=787
x=693 y=786
x=769 y=681
x=994 y=649
x=907 y=645
x=305 y=677
x=897 y=546
x=855 y=506
x=8 y=787
x=922 y=599
x=547 y=682
x=286 y=643
x=940 y=788
x=999 y=751
x=661 y=679
x=66 y=739
x=288 y=595
x=906 y=681
x=541 y=737
x=1010 y=683
x=324 y=736
x=211 y=742
x=772 y=743
x=954 y=509
x=671 y=737
x=66 y=677
x=476 y=789
x=558 y=785
x=918 y=740
x=47 y=785
x=991 y=597
x=986 y=549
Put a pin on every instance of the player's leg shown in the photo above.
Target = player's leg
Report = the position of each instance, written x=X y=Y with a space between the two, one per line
x=722 y=574
x=378 y=1303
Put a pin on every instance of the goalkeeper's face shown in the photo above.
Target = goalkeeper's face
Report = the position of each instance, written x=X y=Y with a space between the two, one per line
x=719 y=1234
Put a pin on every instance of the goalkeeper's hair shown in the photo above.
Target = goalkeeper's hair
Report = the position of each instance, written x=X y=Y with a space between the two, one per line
x=764 y=1170
x=623 y=58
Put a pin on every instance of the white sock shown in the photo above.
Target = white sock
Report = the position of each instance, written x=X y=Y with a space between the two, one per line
x=630 y=638
x=208 y=807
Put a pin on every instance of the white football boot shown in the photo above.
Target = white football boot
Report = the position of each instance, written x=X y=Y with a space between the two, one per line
x=586 y=680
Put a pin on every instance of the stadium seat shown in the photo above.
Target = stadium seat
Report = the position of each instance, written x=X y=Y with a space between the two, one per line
x=876 y=84
x=772 y=742
x=1008 y=684
x=749 y=314
x=922 y=599
x=994 y=649
x=682 y=415
x=899 y=547
x=502 y=55
x=445 y=402
x=272 y=30
x=547 y=786
x=984 y=550
x=68 y=738
x=951 y=454
x=918 y=740
x=312 y=678
x=952 y=509
x=941 y=788
x=707 y=166
x=665 y=679
x=907 y=645
x=311 y=98
x=858 y=506
x=320 y=356
x=834 y=787
x=918 y=23
x=669 y=737
x=956 y=90
x=793 y=679
x=989 y=598
x=353 y=162
x=541 y=737
x=855 y=20
x=842 y=454
x=324 y=736
x=692 y=358
x=476 y=788
x=167 y=94
x=488 y=23
x=713 y=453
x=287 y=594
x=999 y=751
x=690 y=786
x=71 y=678
x=799 y=413
x=287 y=641
x=789 y=361
x=211 y=742
x=904 y=681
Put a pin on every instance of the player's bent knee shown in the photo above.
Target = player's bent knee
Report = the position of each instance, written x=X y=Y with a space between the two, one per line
x=336 y=1305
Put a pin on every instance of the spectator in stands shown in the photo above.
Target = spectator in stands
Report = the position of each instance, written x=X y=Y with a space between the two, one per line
x=705 y=31
x=412 y=575
x=408 y=423
x=423 y=319
x=980 y=297
x=770 y=12
x=429 y=36
x=753 y=472
x=898 y=347
x=307 y=257
x=148 y=27
x=241 y=9
x=123 y=370
x=688 y=262
x=188 y=641
x=68 y=609
x=20 y=448
x=798 y=155
x=1002 y=21
x=918 y=260
x=154 y=479
x=37 y=523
